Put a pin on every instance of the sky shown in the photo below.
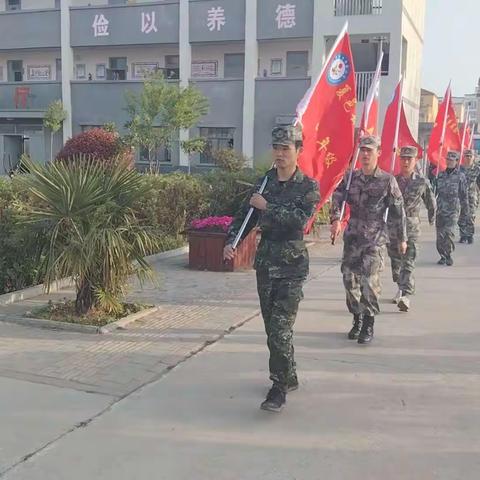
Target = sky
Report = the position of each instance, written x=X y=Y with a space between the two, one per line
x=452 y=46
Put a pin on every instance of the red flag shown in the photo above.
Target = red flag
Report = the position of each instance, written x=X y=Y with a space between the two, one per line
x=396 y=134
x=445 y=134
x=327 y=115
x=369 y=121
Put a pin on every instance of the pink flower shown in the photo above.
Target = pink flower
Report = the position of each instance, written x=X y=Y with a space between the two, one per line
x=212 y=223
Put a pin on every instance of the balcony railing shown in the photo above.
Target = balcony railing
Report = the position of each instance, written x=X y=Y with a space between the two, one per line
x=364 y=80
x=357 y=7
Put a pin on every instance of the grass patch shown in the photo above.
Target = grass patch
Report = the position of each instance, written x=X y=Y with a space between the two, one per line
x=64 y=311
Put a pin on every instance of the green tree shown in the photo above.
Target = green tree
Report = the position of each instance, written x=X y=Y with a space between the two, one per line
x=94 y=233
x=159 y=111
x=54 y=117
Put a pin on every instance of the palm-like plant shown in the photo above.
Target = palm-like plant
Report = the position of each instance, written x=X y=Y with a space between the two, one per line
x=94 y=233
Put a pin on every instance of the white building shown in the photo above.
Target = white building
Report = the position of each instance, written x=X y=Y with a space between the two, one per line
x=253 y=59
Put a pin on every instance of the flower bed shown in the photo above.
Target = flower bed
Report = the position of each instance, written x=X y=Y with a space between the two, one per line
x=207 y=238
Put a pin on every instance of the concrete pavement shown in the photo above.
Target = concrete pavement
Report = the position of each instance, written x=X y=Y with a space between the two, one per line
x=404 y=408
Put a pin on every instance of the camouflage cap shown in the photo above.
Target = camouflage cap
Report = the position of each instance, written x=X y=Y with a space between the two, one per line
x=369 y=141
x=469 y=152
x=453 y=155
x=286 y=135
x=409 y=151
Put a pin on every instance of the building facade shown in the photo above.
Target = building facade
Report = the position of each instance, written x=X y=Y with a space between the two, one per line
x=253 y=59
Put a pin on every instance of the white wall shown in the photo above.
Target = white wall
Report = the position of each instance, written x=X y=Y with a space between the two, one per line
x=30 y=59
x=99 y=55
x=278 y=49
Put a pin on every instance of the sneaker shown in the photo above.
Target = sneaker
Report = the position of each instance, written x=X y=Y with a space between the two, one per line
x=275 y=400
x=442 y=261
x=404 y=304
x=397 y=297
x=449 y=261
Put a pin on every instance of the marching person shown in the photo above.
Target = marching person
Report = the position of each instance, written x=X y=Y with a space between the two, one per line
x=415 y=190
x=452 y=197
x=282 y=263
x=466 y=222
x=372 y=193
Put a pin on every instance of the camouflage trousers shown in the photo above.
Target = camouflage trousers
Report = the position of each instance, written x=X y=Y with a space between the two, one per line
x=403 y=266
x=279 y=300
x=361 y=269
x=445 y=227
x=466 y=223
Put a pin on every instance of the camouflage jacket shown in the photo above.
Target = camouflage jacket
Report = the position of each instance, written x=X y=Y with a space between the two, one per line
x=281 y=252
x=472 y=174
x=452 y=194
x=369 y=198
x=415 y=190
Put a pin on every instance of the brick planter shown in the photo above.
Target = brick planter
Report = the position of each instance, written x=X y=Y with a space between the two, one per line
x=206 y=251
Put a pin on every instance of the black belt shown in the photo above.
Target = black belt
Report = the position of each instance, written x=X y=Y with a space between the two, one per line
x=282 y=236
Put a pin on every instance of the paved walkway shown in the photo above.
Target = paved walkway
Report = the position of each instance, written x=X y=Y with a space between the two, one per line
x=405 y=407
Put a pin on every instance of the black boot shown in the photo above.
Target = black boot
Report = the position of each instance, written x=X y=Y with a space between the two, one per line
x=275 y=400
x=470 y=240
x=442 y=261
x=292 y=384
x=463 y=240
x=366 y=333
x=449 y=261
x=357 y=326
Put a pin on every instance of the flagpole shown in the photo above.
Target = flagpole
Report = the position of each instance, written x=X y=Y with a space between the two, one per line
x=444 y=126
x=465 y=126
x=395 y=141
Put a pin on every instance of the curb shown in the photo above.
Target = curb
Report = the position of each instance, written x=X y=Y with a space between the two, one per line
x=75 y=327
x=31 y=292
x=37 y=290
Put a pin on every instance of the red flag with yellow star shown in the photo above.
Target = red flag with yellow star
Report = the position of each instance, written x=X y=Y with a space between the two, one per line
x=327 y=115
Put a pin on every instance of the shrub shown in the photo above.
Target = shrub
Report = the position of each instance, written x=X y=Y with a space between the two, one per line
x=21 y=246
x=99 y=144
x=171 y=201
x=228 y=159
x=227 y=190
x=94 y=233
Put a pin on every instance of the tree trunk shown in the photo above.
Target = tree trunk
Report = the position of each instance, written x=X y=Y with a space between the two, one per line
x=85 y=298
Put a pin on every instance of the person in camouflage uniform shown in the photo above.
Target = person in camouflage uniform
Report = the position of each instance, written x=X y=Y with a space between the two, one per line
x=452 y=197
x=471 y=170
x=372 y=193
x=416 y=190
x=282 y=263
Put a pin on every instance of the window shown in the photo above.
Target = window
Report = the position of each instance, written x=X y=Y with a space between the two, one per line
x=15 y=70
x=358 y=7
x=80 y=71
x=217 y=138
x=297 y=64
x=14 y=5
x=172 y=64
x=58 y=69
x=276 y=66
x=100 y=71
x=117 y=68
x=160 y=155
x=234 y=65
